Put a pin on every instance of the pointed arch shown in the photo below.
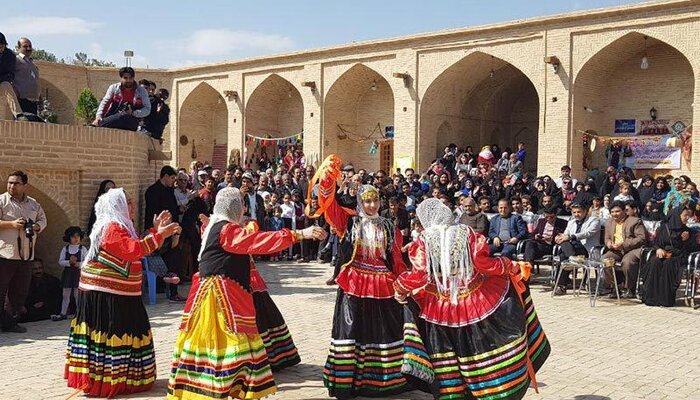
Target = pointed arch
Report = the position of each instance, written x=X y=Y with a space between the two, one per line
x=60 y=102
x=478 y=95
x=358 y=108
x=612 y=84
x=203 y=118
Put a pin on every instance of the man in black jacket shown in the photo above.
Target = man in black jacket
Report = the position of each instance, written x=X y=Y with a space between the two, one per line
x=161 y=196
x=155 y=122
x=7 y=76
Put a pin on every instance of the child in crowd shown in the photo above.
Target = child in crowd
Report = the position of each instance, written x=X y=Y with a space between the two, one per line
x=71 y=256
x=625 y=193
x=598 y=210
x=416 y=229
x=289 y=218
x=275 y=223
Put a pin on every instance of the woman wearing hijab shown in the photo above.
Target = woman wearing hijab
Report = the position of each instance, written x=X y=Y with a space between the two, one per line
x=662 y=273
x=367 y=337
x=661 y=189
x=646 y=189
x=105 y=186
x=219 y=351
x=477 y=335
x=110 y=346
x=676 y=196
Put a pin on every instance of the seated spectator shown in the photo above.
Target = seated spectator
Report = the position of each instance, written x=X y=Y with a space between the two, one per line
x=582 y=234
x=44 y=298
x=11 y=108
x=485 y=205
x=661 y=275
x=631 y=209
x=652 y=211
x=505 y=231
x=546 y=230
x=624 y=238
x=154 y=123
x=599 y=211
x=26 y=81
x=625 y=194
x=123 y=104
x=565 y=174
x=474 y=218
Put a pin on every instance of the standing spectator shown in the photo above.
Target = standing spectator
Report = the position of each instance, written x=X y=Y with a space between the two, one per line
x=105 y=186
x=275 y=223
x=506 y=230
x=208 y=193
x=21 y=220
x=72 y=255
x=7 y=76
x=255 y=204
x=44 y=298
x=123 y=104
x=521 y=153
x=565 y=173
x=624 y=238
x=154 y=123
x=160 y=196
x=27 y=78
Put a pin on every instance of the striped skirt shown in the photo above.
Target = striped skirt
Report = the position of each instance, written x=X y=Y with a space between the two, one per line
x=110 y=347
x=280 y=348
x=366 y=352
x=212 y=363
x=486 y=360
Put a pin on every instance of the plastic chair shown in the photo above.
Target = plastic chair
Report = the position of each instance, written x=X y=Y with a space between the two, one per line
x=149 y=282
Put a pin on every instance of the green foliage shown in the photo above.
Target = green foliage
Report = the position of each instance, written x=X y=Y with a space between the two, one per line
x=40 y=54
x=84 y=59
x=86 y=107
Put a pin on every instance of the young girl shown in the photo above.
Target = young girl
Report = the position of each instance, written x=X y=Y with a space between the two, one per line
x=71 y=257
x=275 y=223
x=289 y=218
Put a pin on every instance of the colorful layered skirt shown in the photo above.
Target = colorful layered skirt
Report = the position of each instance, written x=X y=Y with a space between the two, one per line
x=492 y=357
x=212 y=358
x=280 y=348
x=110 y=346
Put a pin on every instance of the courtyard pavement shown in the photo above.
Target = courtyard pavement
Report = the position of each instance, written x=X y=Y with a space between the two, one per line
x=612 y=351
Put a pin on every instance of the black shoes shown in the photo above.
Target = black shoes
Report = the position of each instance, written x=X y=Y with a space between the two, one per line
x=15 y=329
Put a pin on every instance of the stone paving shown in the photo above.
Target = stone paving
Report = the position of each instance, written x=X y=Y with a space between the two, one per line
x=610 y=352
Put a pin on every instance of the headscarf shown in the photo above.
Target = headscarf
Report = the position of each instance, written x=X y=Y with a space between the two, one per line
x=228 y=207
x=374 y=232
x=111 y=208
x=447 y=248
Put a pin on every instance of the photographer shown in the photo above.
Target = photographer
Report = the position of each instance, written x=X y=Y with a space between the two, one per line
x=21 y=220
x=123 y=104
x=155 y=122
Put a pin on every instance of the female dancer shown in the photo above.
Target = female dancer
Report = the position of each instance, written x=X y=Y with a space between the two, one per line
x=367 y=340
x=219 y=352
x=110 y=346
x=477 y=335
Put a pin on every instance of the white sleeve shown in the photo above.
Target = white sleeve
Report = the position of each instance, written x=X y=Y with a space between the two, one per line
x=62 y=258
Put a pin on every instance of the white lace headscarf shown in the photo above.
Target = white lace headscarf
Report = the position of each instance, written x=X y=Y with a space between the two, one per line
x=373 y=231
x=447 y=248
x=111 y=208
x=228 y=207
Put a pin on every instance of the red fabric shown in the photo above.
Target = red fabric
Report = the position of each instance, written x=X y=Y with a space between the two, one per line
x=257 y=283
x=238 y=240
x=369 y=278
x=94 y=388
x=117 y=241
x=483 y=294
x=128 y=94
x=326 y=177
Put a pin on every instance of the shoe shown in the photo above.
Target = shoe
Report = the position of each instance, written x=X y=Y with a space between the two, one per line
x=559 y=291
x=21 y=117
x=628 y=295
x=613 y=295
x=177 y=299
x=171 y=279
x=331 y=282
x=15 y=329
x=58 y=317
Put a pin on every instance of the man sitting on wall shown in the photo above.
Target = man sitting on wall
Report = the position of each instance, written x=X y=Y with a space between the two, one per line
x=9 y=105
x=123 y=104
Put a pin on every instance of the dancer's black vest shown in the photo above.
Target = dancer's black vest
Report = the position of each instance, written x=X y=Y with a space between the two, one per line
x=217 y=261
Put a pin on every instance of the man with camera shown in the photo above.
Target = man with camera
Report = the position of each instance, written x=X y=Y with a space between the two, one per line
x=123 y=104
x=21 y=220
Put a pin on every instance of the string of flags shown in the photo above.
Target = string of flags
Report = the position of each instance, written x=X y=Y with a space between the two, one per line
x=270 y=141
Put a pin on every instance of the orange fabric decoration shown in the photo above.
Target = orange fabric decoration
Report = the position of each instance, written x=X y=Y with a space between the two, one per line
x=327 y=179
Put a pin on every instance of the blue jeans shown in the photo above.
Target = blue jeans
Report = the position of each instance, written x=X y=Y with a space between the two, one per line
x=506 y=249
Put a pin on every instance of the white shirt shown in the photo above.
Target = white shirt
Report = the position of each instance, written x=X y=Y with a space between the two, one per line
x=72 y=249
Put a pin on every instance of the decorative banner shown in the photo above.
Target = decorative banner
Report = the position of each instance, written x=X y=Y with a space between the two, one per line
x=269 y=141
x=654 y=127
x=623 y=126
x=403 y=162
x=389 y=132
x=654 y=154
x=687 y=136
x=678 y=127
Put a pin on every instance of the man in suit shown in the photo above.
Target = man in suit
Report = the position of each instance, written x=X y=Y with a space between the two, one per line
x=255 y=204
x=624 y=238
x=506 y=230
x=546 y=230
x=581 y=235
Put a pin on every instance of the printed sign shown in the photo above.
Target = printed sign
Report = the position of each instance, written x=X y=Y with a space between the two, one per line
x=654 y=127
x=653 y=154
x=625 y=126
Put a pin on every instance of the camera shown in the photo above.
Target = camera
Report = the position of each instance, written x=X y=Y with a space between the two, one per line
x=28 y=228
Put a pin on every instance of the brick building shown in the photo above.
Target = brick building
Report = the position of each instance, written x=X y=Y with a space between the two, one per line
x=472 y=86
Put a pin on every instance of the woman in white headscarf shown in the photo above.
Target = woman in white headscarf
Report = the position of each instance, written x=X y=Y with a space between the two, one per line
x=367 y=337
x=110 y=346
x=219 y=351
x=477 y=334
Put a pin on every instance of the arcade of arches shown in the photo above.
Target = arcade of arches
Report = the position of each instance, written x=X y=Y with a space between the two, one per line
x=204 y=120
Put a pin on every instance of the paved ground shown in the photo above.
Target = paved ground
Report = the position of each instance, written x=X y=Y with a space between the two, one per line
x=616 y=352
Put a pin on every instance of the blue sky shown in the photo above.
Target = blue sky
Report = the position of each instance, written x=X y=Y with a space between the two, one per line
x=177 y=33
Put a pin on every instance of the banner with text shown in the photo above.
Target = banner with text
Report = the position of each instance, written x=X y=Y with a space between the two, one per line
x=654 y=154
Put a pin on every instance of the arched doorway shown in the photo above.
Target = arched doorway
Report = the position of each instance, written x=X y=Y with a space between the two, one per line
x=359 y=107
x=204 y=121
x=60 y=103
x=485 y=100
x=274 y=109
x=613 y=85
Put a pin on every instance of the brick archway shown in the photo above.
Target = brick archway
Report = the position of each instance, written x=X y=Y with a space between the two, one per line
x=612 y=85
x=357 y=109
x=274 y=109
x=479 y=95
x=60 y=103
x=203 y=118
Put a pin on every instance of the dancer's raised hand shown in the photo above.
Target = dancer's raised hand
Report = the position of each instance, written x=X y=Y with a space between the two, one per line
x=314 y=232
